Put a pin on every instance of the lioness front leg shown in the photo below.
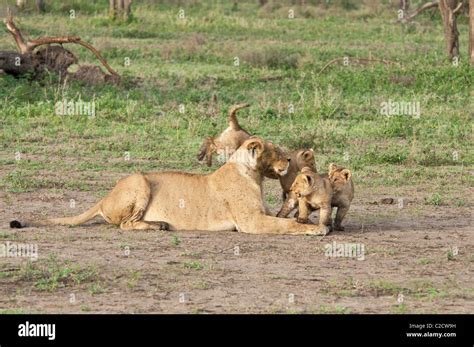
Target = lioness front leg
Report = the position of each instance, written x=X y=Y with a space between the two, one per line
x=340 y=214
x=288 y=206
x=262 y=224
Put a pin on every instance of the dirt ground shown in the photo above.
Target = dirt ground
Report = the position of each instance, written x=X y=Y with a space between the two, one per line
x=417 y=259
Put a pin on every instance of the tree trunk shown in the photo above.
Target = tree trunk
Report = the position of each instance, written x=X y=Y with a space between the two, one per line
x=471 y=31
x=451 y=33
x=127 y=9
x=404 y=5
x=39 y=6
x=113 y=9
x=20 y=4
x=120 y=9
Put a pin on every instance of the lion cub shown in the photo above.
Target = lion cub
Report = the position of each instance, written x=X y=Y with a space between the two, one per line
x=323 y=192
x=298 y=160
x=228 y=141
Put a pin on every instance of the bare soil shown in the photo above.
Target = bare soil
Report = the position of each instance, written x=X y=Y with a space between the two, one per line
x=418 y=258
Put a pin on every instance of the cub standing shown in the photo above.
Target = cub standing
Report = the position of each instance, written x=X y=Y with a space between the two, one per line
x=323 y=192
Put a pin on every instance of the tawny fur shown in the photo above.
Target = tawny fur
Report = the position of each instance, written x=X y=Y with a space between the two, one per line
x=228 y=199
x=298 y=160
x=228 y=141
x=311 y=191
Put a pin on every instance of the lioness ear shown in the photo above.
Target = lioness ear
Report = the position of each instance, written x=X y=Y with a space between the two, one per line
x=255 y=145
x=347 y=174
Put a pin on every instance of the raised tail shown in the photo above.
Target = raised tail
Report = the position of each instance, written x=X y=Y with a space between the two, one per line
x=75 y=220
x=233 y=123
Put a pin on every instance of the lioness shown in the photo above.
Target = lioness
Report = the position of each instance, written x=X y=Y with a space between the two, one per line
x=323 y=192
x=228 y=199
x=228 y=141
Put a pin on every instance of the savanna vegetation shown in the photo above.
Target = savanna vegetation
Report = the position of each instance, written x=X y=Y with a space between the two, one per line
x=183 y=64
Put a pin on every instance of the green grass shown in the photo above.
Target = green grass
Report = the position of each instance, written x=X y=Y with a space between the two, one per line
x=450 y=255
x=195 y=265
x=133 y=278
x=400 y=309
x=175 y=240
x=12 y=311
x=96 y=288
x=424 y=261
x=337 y=112
x=435 y=199
x=52 y=274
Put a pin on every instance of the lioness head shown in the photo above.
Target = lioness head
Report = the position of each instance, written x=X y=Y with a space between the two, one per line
x=263 y=156
x=339 y=176
x=303 y=184
x=305 y=157
x=274 y=161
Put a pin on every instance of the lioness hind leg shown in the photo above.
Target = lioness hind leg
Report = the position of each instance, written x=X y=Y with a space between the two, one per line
x=127 y=202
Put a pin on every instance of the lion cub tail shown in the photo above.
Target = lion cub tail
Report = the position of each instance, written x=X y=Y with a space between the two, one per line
x=75 y=220
x=233 y=123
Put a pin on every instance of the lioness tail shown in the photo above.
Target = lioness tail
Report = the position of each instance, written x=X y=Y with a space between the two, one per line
x=75 y=220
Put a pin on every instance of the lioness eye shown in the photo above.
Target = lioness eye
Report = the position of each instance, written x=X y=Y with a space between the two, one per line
x=289 y=159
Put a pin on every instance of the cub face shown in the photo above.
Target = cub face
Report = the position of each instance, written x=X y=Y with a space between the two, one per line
x=303 y=184
x=339 y=176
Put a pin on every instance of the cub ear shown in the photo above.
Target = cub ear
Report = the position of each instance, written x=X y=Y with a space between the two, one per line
x=309 y=179
x=332 y=169
x=255 y=145
x=308 y=154
x=347 y=174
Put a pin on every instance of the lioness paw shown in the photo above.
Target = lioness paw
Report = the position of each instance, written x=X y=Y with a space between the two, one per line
x=320 y=231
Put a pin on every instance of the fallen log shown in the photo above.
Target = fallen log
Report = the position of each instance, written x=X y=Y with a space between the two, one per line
x=51 y=57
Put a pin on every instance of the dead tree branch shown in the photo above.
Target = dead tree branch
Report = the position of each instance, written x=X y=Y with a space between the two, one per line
x=27 y=48
x=422 y=8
